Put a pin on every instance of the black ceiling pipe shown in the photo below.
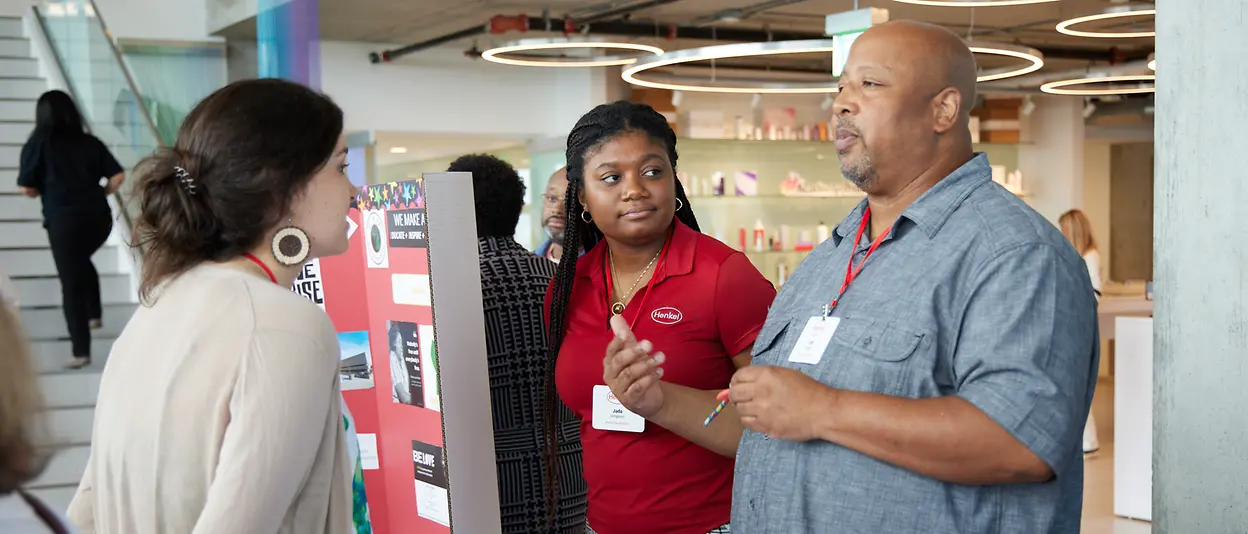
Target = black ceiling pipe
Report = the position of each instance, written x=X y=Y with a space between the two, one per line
x=388 y=55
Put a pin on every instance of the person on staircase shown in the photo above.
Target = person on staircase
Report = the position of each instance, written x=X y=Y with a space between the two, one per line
x=21 y=459
x=73 y=173
x=219 y=410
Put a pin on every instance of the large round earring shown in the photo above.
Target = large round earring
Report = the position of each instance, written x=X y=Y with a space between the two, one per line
x=679 y=205
x=291 y=246
x=585 y=216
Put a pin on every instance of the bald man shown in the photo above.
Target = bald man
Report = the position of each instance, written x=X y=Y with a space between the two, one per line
x=553 y=216
x=940 y=386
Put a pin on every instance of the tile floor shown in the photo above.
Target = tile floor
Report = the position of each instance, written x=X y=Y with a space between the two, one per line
x=1098 y=489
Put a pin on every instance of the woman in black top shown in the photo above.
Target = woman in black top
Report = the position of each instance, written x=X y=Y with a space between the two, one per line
x=66 y=167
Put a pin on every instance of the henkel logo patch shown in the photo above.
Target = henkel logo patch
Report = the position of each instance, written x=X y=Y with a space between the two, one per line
x=666 y=315
x=611 y=397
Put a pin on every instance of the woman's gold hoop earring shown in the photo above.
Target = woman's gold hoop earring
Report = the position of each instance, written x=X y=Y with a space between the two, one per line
x=585 y=216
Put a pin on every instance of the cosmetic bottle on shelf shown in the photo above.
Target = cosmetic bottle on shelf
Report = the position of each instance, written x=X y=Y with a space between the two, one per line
x=822 y=233
x=760 y=233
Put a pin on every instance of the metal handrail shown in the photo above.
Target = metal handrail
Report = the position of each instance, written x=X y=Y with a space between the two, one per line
x=121 y=62
x=134 y=89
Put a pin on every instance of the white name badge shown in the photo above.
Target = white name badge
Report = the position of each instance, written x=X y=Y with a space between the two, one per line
x=609 y=414
x=814 y=340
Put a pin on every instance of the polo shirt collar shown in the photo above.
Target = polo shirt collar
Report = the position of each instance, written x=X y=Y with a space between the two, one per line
x=933 y=208
x=680 y=254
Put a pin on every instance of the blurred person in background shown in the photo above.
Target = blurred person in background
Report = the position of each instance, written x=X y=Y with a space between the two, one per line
x=219 y=410
x=513 y=288
x=695 y=307
x=73 y=173
x=21 y=418
x=553 y=216
x=1078 y=230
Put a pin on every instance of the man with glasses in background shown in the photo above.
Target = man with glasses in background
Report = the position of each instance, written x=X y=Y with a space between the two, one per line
x=553 y=216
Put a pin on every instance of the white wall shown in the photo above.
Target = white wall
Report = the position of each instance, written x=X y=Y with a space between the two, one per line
x=442 y=91
x=1096 y=189
x=1051 y=156
x=173 y=20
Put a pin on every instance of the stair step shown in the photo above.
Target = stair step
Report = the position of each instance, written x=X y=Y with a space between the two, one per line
x=66 y=467
x=70 y=390
x=71 y=425
x=12 y=27
x=24 y=87
x=26 y=234
x=56 y=497
x=15 y=132
x=14 y=107
x=43 y=292
x=51 y=356
x=18 y=67
x=38 y=262
x=8 y=176
x=15 y=207
x=49 y=323
x=15 y=47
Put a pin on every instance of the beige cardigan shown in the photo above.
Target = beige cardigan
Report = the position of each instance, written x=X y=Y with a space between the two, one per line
x=219 y=413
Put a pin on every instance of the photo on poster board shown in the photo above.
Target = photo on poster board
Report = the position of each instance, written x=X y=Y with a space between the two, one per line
x=429 y=362
x=375 y=240
x=411 y=289
x=433 y=500
x=308 y=283
x=406 y=379
x=356 y=360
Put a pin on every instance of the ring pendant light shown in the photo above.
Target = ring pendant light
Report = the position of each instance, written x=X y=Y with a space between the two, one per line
x=975 y=3
x=1065 y=87
x=1033 y=56
x=779 y=48
x=1120 y=12
x=499 y=54
x=734 y=51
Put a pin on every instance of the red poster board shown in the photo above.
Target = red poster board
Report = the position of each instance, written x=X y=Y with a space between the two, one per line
x=380 y=295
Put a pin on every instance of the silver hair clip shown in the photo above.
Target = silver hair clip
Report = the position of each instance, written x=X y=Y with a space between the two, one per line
x=185 y=178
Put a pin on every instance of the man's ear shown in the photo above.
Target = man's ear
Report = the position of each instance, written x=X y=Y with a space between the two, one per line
x=946 y=109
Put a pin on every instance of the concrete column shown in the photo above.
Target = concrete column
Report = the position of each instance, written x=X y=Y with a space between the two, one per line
x=288 y=40
x=1200 y=469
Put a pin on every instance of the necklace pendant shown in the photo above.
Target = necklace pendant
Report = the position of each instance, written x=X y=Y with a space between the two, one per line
x=617 y=308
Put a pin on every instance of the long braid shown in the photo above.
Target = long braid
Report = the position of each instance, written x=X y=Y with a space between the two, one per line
x=595 y=128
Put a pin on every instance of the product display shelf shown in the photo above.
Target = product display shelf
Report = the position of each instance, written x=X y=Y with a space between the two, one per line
x=784 y=215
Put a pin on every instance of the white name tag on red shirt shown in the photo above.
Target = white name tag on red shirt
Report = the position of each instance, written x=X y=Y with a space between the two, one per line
x=814 y=339
x=610 y=415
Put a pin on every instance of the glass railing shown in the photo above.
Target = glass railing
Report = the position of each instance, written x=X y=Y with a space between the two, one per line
x=100 y=82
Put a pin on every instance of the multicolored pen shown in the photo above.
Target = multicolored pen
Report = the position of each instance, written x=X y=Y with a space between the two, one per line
x=723 y=401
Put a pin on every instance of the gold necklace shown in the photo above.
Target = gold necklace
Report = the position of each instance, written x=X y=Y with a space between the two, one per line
x=618 y=307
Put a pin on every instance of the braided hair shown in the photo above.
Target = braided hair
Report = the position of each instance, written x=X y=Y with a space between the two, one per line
x=602 y=124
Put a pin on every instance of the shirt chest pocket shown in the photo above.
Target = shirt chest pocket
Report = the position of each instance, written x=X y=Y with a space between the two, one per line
x=767 y=346
x=875 y=356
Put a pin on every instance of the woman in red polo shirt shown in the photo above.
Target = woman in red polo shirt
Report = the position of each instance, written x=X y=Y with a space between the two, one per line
x=698 y=304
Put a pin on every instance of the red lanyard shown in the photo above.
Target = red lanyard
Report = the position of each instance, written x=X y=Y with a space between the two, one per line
x=850 y=271
x=257 y=261
x=649 y=285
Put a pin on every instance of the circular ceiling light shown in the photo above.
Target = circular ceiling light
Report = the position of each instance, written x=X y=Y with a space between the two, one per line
x=975 y=3
x=515 y=48
x=1033 y=56
x=1138 y=85
x=734 y=51
x=1113 y=13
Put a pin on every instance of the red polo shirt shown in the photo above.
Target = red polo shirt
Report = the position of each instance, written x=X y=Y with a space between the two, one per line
x=707 y=305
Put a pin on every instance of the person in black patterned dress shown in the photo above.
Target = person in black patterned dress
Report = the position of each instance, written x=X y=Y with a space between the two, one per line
x=513 y=288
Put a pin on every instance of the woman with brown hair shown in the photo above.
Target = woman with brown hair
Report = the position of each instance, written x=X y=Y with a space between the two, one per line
x=1078 y=230
x=21 y=409
x=219 y=410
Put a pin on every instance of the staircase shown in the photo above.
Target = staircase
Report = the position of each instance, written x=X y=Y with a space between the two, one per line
x=26 y=258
